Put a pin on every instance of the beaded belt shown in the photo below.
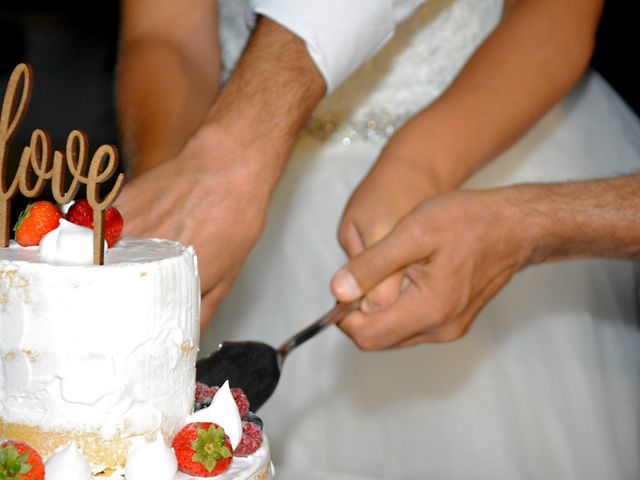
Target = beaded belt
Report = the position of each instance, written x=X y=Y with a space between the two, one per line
x=377 y=126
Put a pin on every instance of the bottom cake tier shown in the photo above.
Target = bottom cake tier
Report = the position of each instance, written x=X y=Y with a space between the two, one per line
x=113 y=452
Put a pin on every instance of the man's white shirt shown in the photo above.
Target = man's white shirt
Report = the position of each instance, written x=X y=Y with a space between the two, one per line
x=340 y=35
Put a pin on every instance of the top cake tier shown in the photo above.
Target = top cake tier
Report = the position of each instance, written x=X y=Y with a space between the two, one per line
x=98 y=354
x=126 y=252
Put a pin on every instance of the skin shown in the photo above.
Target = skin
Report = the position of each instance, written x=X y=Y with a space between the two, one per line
x=159 y=106
x=532 y=59
x=452 y=272
x=206 y=168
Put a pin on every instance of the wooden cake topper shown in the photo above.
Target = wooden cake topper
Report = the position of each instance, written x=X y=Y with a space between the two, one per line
x=39 y=160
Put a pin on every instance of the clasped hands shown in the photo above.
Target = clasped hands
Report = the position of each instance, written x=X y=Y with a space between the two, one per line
x=427 y=279
x=424 y=263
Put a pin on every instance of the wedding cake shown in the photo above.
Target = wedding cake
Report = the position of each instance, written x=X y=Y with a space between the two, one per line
x=102 y=357
x=98 y=355
x=99 y=335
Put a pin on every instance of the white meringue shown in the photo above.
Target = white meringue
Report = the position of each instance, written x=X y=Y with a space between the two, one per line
x=64 y=208
x=67 y=464
x=223 y=411
x=69 y=243
x=153 y=460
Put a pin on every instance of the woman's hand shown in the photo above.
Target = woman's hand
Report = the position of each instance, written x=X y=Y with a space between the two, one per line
x=456 y=252
x=396 y=184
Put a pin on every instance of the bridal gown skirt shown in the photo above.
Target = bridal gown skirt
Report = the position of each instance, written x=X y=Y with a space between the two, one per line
x=545 y=385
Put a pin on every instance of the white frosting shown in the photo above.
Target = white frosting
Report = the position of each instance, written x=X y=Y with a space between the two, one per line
x=152 y=460
x=69 y=244
x=223 y=411
x=65 y=207
x=108 y=347
x=68 y=464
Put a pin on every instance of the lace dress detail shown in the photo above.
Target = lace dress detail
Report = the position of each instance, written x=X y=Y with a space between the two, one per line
x=413 y=69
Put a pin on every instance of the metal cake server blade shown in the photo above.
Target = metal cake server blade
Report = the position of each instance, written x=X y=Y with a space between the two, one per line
x=256 y=366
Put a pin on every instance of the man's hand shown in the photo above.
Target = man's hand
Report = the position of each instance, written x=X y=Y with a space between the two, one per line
x=456 y=252
x=213 y=194
x=216 y=210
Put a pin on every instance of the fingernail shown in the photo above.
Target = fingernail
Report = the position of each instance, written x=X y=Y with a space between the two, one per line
x=346 y=285
x=365 y=305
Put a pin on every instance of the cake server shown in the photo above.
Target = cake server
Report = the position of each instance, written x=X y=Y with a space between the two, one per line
x=256 y=366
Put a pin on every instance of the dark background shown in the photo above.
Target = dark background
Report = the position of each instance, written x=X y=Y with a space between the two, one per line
x=617 y=54
x=72 y=48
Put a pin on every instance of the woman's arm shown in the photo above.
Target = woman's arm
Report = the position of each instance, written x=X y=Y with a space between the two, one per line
x=168 y=75
x=536 y=54
x=533 y=58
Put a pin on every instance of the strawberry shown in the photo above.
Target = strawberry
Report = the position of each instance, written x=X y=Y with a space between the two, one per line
x=19 y=461
x=202 y=449
x=35 y=222
x=81 y=213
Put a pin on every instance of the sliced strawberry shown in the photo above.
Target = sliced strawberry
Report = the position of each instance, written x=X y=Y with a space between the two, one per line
x=202 y=449
x=20 y=462
x=35 y=222
x=81 y=213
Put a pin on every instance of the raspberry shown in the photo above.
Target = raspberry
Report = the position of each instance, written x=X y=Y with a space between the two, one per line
x=251 y=440
x=253 y=418
x=241 y=400
x=204 y=393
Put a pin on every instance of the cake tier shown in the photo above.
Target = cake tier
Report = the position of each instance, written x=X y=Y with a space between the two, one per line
x=257 y=466
x=104 y=453
x=106 y=352
x=113 y=452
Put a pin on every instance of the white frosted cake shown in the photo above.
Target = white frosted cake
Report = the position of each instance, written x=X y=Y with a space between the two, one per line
x=103 y=356
x=98 y=354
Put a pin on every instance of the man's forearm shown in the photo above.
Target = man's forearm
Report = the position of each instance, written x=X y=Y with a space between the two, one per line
x=599 y=218
x=268 y=98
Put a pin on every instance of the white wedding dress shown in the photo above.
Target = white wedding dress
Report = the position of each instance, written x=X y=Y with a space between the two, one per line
x=547 y=382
